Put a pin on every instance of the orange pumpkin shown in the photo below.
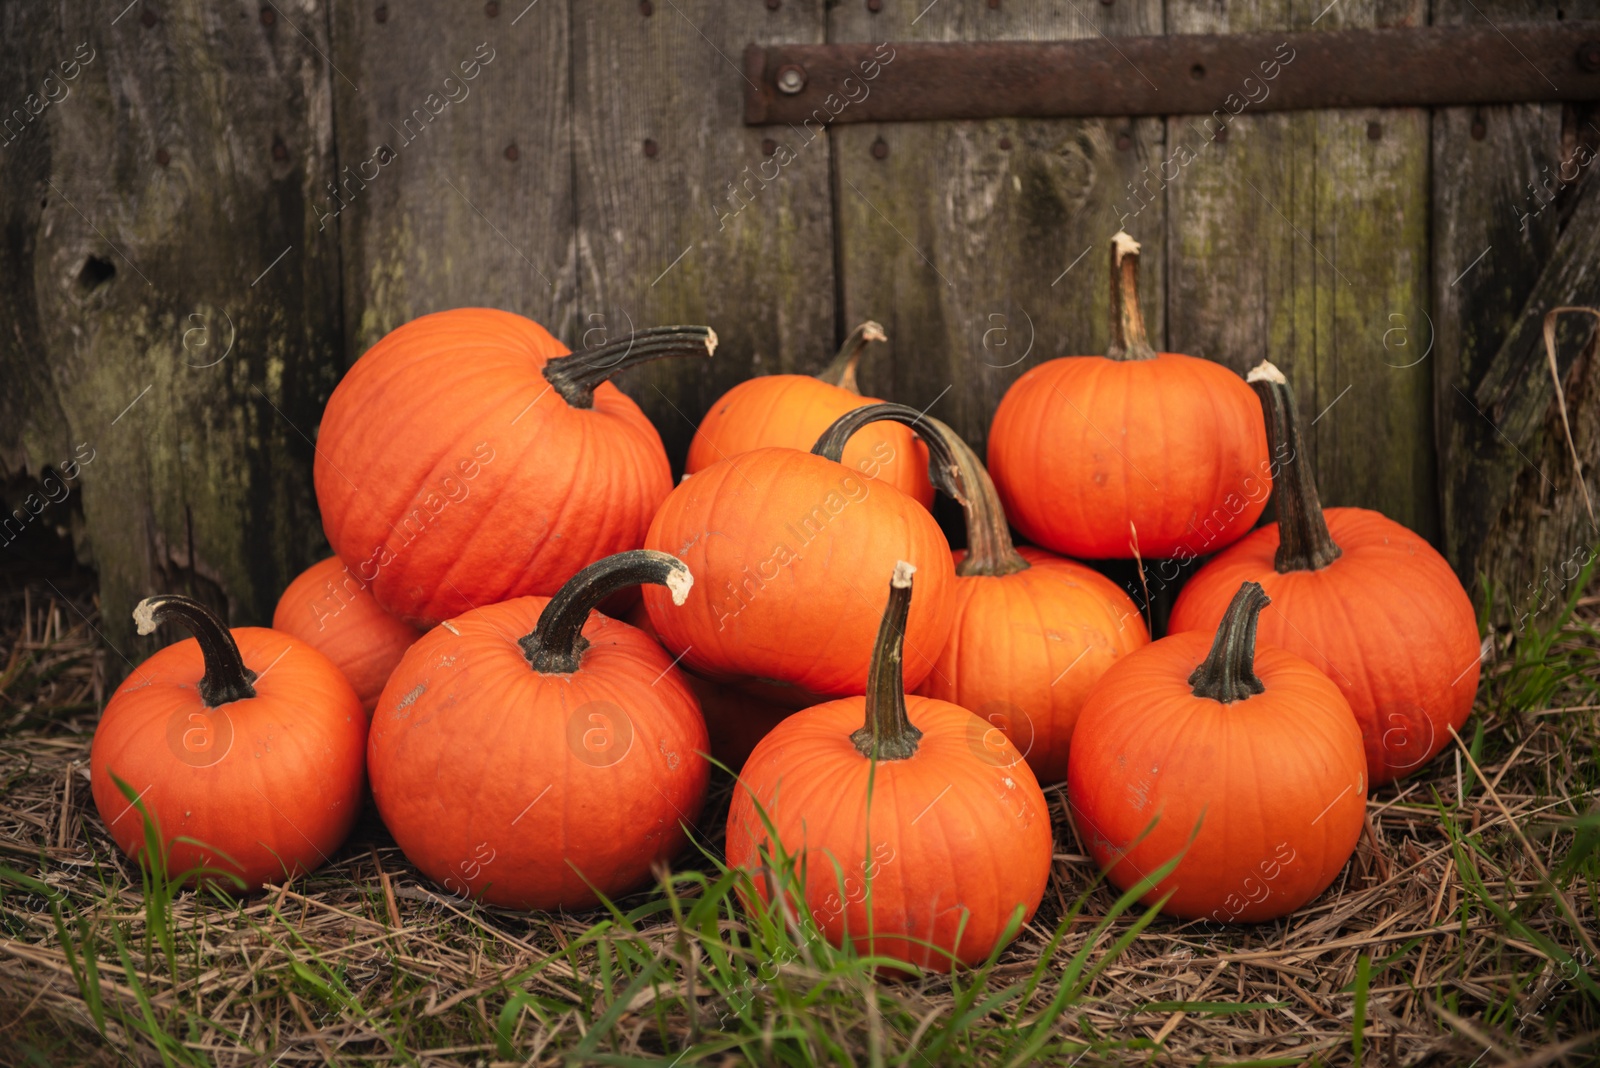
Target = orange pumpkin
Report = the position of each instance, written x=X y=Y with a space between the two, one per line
x=330 y=609
x=1033 y=632
x=1244 y=761
x=1099 y=456
x=1366 y=600
x=534 y=755
x=467 y=459
x=245 y=747
x=908 y=838
x=735 y=720
x=792 y=410
x=784 y=545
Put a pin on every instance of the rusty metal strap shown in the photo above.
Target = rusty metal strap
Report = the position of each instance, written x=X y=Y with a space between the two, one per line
x=1177 y=75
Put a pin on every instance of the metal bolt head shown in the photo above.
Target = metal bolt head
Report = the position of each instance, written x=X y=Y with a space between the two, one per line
x=1222 y=134
x=163 y=157
x=791 y=79
x=874 y=6
x=1198 y=71
x=280 y=151
x=1005 y=144
x=1374 y=131
x=773 y=5
x=650 y=148
x=768 y=146
x=994 y=5
x=381 y=13
x=512 y=153
x=1124 y=142
x=148 y=17
x=492 y=8
x=1479 y=130
x=646 y=8
x=268 y=16
x=1589 y=56
x=880 y=149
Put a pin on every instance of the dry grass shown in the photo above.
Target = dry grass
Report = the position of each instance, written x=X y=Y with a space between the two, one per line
x=1463 y=932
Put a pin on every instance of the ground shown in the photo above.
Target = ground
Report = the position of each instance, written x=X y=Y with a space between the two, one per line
x=1463 y=932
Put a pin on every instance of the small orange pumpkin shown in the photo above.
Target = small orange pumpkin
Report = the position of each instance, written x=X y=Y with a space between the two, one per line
x=331 y=610
x=1366 y=600
x=1244 y=761
x=784 y=545
x=909 y=839
x=467 y=458
x=1033 y=632
x=537 y=772
x=1096 y=456
x=245 y=747
x=790 y=411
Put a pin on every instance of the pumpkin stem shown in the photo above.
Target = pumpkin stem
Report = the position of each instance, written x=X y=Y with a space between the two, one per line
x=944 y=469
x=841 y=371
x=576 y=376
x=888 y=733
x=1304 y=543
x=557 y=643
x=1228 y=672
x=226 y=678
x=1128 y=339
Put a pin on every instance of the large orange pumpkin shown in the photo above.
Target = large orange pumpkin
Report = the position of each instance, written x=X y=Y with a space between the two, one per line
x=533 y=754
x=907 y=838
x=245 y=747
x=1244 y=761
x=784 y=546
x=331 y=610
x=1099 y=456
x=1366 y=600
x=1033 y=632
x=468 y=459
x=791 y=411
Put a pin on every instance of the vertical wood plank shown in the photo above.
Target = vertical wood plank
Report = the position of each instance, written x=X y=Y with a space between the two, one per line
x=455 y=152
x=168 y=305
x=1511 y=199
x=683 y=216
x=982 y=246
x=1303 y=238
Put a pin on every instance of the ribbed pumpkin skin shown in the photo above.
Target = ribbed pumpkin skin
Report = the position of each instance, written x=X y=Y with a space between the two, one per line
x=501 y=783
x=1026 y=649
x=1387 y=621
x=953 y=815
x=287 y=785
x=1279 y=778
x=781 y=596
x=329 y=609
x=1082 y=446
x=791 y=412
x=450 y=474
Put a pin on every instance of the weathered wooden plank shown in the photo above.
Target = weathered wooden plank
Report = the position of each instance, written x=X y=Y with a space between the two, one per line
x=455 y=151
x=1303 y=238
x=169 y=307
x=684 y=215
x=1515 y=210
x=981 y=246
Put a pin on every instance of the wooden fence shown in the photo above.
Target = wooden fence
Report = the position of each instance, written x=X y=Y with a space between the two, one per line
x=210 y=209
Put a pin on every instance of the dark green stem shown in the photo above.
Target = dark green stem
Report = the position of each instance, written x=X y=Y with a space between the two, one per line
x=1304 y=543
x=943 y=467
x=226 y=678
x=557 y=643
x=1228 y=673
x=888 y=733
x=1128 y=338
x=841 y=371
x=576 y=376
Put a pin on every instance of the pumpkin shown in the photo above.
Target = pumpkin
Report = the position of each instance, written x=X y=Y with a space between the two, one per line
x=535 y=754
x=785 y=545
x=735 y=720
x=1366 y=600
x=1033 y=632
x=245 y=748
x=906 y=840
x=792 y=410
x=331 y=610
x=1135 y=453
x=466 y=458
x=1242 y=763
